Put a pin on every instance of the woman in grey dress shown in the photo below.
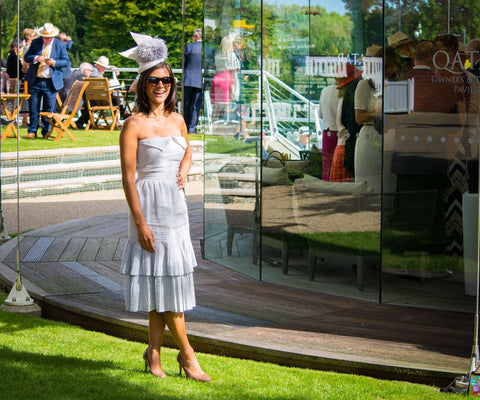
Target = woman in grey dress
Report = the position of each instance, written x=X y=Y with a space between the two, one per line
x=159 y=259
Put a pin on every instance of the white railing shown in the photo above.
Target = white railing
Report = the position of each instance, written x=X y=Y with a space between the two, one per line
x=373 y=69
x=288 y=105
x=330 y=67
x=272 y=66
x=286 y=112
x=335 y=67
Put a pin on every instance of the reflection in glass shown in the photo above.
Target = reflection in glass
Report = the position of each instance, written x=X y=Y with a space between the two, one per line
x=232 y=134
x=326 y=139
x=431 y=150
x=320 y=190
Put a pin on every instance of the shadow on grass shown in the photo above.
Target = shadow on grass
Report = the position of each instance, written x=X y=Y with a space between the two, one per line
x=56 y=372
x=60 y=377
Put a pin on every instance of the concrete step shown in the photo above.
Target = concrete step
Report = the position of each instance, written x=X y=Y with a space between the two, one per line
x=61 y=186
x=59 y=156
x=60 y=171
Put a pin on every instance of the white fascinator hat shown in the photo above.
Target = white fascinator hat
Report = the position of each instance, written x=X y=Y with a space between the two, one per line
x=149 y=52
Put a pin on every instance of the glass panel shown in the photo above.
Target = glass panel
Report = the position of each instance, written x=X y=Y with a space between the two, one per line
x=232 y=134
x=321 y=181
x=431 y=155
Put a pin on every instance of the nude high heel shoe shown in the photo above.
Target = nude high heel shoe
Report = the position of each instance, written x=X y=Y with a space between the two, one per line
x=147 y=365
x=203 y=377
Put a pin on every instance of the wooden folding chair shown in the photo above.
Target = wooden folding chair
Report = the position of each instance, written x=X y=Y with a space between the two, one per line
x=63 y=120
x=58 y=101
x=102 y=113
x=12 y=85
x=59 y=104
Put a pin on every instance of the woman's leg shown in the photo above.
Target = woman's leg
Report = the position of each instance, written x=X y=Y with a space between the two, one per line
x=156 y=328
x=176 y=326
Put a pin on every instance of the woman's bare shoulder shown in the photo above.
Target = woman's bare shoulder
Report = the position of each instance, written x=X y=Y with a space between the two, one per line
x=134 y=126
x=136 y=118
x=178 y=117
x=135 y=121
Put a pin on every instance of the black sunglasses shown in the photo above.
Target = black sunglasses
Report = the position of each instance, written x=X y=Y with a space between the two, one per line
x=166 y=80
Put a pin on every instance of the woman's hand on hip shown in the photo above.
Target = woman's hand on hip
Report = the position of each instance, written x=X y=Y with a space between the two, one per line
x=181 y=180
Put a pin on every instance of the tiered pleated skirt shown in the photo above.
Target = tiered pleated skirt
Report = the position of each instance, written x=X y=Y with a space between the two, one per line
x=163 y=280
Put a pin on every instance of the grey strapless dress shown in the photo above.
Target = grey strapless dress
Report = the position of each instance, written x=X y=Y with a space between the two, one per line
x=161 y=281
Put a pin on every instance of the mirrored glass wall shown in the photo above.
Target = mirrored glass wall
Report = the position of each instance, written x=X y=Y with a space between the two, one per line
x=233 y=112
x=341 y=147
x=431 y=152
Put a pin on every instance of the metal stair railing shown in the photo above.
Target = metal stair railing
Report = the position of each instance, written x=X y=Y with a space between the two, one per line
x=287 y=111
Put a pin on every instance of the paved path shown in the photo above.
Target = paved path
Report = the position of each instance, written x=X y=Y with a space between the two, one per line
x=71 y=268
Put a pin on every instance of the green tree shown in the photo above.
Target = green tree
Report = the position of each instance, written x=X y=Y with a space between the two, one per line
x=26 y=18
x=424 y=19
x=367 y=23
x=366 y=5
x=101 y=27
x=67 y=15
x=110 y=21
x=330 y=34
x=432 y=16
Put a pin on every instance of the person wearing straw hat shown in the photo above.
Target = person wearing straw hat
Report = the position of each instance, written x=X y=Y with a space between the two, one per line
x=100 y=66
x=159 y=259
x=405 y=46
x=47 y=56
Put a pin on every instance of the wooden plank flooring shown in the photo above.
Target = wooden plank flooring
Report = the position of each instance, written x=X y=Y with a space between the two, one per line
x=72 y=270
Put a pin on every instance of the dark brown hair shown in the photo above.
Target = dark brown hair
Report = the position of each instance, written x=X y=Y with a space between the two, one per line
x=143 y=102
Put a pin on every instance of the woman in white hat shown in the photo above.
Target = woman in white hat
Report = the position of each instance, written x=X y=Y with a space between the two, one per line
x=159 y=259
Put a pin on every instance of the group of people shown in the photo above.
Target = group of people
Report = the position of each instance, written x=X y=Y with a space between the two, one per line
x=351 y=144
x=226 y=86
x=41 y=62
x=433 y=146
x=440 y=149
x=44 y=65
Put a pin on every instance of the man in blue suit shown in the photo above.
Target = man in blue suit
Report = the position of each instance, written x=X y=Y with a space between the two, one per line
x=192 y=81
x=47 y=57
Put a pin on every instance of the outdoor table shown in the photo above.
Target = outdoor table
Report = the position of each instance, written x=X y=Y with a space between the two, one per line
x=10 y=108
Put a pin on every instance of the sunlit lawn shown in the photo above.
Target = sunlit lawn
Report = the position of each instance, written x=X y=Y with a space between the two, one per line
x=84 y=139
x=47 y=360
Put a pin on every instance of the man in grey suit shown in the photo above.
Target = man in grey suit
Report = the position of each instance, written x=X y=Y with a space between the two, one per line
x=192 y=81
x=84 y=71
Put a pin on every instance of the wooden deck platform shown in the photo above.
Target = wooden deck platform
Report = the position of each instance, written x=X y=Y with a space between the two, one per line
x=72 y=271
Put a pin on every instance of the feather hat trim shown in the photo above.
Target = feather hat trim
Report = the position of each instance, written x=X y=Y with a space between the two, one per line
x=149 y=52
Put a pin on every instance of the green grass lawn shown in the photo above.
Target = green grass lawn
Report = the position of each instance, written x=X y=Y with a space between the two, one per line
x=46 y=360
x=84 y=139
x=230 y=145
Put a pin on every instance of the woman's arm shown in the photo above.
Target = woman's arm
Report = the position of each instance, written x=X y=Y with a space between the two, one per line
x=363 y=95
x=128 y=160
x=186 y=163
x=363 y=116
